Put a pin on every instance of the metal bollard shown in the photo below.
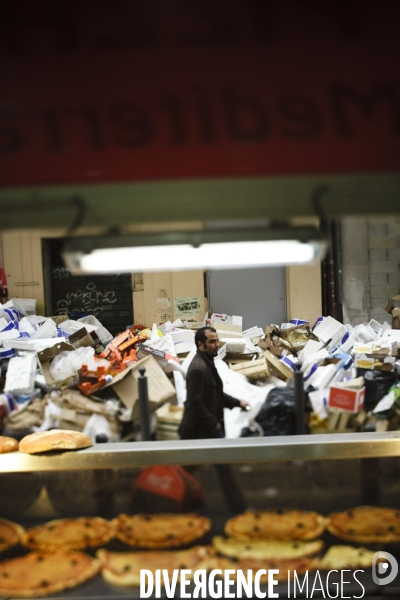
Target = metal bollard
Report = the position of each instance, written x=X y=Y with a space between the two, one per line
x=299 y=400
x=144 y=405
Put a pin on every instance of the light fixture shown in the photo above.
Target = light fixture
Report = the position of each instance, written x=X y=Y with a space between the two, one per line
x=207 y=249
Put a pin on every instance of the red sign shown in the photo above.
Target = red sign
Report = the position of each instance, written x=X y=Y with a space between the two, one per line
x=122 y=91
x=346 y=400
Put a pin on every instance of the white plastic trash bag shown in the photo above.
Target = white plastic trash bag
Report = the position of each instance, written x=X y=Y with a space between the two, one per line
x=67 y=364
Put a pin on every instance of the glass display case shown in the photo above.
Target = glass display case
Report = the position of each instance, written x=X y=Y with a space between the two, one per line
x=322 y=473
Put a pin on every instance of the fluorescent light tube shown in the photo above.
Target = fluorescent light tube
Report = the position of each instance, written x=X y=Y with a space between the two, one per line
x=172 y=257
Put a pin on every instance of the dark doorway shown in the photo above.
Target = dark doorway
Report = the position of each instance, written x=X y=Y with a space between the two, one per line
x=107 y=297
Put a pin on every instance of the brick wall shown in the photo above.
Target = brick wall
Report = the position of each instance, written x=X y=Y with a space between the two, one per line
x=384 y=263
x=371 y=266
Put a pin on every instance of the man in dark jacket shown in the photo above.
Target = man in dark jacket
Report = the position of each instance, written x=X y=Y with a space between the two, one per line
x=206 y=400
x=204 y=408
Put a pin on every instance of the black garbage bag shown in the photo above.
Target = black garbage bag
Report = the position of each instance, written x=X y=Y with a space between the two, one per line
x=377 y=384
x=277 y=415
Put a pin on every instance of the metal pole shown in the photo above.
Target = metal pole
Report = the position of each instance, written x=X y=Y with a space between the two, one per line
x=144 y=405
x=299 y=400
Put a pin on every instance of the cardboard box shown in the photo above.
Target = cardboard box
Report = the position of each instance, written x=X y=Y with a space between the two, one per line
x=372 y=352
x=264 y=345
x=330 y=329
x=31 y=345
x=83 y=338
x=346 y=399
x=103 y=333
x=271 y=331
x=378 y=362
x=70 y=326
x=228 y=327
x=395 y=312
x=338 y=422
x=183 y=340
x=160 y=355
x=324 y=374
x=222 y=350
x=235 y=346
x=20 y=376
x=381 y=349
x=26 y=306
x=310 y=348
x=11 y=334
x=160 y=388
x=194 y=325
x=255 y=369
x=58 y=319
x=253 y=333
x=46 y=356
x=296 y=337
x=225 y=336
x=277 y=350
x=169 y=413
x=46 y=329
x=281 y=370
x=287 y=340
x=396 y=318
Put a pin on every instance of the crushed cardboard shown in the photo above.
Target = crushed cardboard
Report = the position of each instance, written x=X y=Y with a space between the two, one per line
x=82 y=338
x=76 y=410
x=160 y=387
x=255 y=369
x=395 y=312
x=281 y=370
x=47 y=355
x=291 y=340
x=169 y=413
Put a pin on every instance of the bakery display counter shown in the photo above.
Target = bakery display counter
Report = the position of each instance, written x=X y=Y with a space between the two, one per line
x=192 y=452
x=317 y=474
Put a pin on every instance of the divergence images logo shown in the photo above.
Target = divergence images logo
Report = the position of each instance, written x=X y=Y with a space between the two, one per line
x=381 y=562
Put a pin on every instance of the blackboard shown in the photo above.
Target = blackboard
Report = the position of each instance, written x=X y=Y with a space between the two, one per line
x=107 y=297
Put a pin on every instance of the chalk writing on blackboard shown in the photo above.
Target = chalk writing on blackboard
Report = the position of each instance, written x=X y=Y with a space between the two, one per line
x=86 y=300
x=61 y=273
